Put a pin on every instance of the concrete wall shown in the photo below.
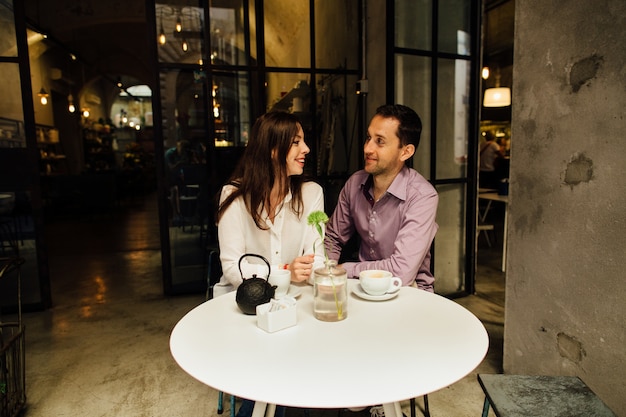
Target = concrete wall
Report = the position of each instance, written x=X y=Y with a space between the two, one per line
x=566 y=280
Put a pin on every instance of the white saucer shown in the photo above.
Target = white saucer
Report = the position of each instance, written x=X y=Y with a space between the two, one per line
x=293 y=291
x=358 y=291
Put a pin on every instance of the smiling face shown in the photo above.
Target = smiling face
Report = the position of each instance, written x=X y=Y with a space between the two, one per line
x=383 y=151
x=297 y=153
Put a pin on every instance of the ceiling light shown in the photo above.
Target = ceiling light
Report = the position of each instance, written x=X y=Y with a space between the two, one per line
x=43 y=96
x=497 y=97
x=162 y=38
x=485 y=73
x=179 y=25
x=185 y=45
x=70 y=100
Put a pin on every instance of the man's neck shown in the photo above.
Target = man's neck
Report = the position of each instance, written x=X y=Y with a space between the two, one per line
x=381 y=183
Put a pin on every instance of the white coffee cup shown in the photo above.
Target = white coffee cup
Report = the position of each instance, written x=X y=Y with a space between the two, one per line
x=282 y=279
x=379 y=282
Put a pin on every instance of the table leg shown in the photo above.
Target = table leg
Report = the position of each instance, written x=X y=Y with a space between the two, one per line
x=260 y=409
x=270 y=411
x=483 y=216
x=392 y=409
x=506 y=212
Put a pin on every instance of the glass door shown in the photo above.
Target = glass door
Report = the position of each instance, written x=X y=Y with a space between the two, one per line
x=434 y=63
x=222 y=64
x=21 y=219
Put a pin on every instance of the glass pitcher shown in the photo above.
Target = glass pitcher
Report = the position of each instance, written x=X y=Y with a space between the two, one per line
x=330 y=293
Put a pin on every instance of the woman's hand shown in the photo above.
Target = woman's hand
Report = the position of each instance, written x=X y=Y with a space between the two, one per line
x=301 y=268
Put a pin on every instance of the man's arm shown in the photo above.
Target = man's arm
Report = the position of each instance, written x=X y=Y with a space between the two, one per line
x=340 y=227
x=409 y=246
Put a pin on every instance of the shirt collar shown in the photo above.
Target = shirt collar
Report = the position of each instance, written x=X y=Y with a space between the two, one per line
x=397 y=188
x=399 y=185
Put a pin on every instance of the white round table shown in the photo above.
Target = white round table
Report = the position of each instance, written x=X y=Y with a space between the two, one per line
x=383 y=353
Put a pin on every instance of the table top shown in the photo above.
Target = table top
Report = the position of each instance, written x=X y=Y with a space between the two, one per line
x=494 y=197
x=383 y=352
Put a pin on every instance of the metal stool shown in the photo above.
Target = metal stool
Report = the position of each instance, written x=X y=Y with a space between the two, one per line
x=554 y=396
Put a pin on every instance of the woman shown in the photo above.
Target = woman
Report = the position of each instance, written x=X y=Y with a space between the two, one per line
x=264 y=206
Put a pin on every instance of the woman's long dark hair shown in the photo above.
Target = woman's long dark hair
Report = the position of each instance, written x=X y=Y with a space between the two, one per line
x=270 y=140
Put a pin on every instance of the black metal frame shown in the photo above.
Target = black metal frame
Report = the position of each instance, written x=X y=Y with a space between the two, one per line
x=471 y=179
x=257 y=73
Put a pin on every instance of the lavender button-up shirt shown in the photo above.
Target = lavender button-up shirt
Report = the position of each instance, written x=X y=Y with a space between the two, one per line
x=396 y=231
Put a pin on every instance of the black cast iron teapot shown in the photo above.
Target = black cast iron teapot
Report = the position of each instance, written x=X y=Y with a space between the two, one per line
x=254 y=291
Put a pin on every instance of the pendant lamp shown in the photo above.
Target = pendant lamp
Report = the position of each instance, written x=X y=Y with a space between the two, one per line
x=497 y=96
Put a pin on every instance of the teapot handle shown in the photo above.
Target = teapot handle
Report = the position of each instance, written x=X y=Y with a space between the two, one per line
x=258 y=256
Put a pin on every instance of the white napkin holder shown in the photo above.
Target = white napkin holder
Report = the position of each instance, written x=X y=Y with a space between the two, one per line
x=277 y=314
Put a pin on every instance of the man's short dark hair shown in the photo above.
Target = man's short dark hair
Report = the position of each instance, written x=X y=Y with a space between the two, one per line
x=410 y=124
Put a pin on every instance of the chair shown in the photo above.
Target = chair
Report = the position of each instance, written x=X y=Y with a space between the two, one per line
x=426 y=409
x=214 y=273
x=484 y=228
x=555 y=396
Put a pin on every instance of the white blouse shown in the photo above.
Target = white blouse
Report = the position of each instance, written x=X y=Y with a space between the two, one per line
x=287 y=238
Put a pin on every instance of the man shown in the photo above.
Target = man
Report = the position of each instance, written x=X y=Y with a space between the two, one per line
x=391 y=206
x=490 y=155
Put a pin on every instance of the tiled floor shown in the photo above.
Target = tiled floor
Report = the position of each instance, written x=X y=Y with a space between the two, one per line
x=102 y=350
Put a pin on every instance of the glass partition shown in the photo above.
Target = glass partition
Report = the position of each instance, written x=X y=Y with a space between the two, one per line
x=8 y=43
x=454 y=17
x=453 y=115
x=185 y=138
x=435 y=50
x=413 y=24
x=231 y=108
x=232 y=72
x=20 y=200
x=287 y=33
x=449 y=249
x=180 y=32
x=337 y=21
x=227 y=29
x=11 y=116
x=413 y=83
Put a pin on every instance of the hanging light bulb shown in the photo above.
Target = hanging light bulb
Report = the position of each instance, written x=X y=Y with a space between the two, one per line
x=185 y=45
x=179 y=25
x=485 y=73
x=70 y=101
x=43 y=96
x=162 y=39
x=86 y=113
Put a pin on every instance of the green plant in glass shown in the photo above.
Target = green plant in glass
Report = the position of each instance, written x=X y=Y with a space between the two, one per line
x=316 y=219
